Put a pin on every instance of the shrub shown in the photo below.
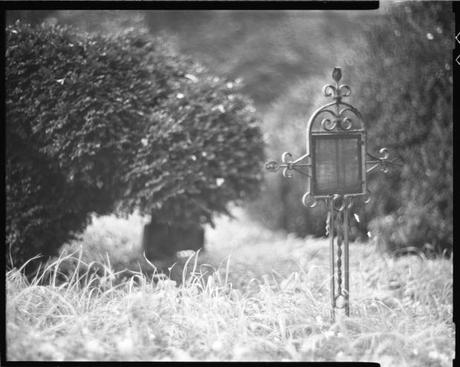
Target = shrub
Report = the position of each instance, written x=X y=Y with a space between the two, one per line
x=409 y=110
x=35 y=189
x=206 y=152
x=408 y=229
x=118 y=122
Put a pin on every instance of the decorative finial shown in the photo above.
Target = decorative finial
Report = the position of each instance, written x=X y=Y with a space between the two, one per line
x=337 y=91
x=337 y=74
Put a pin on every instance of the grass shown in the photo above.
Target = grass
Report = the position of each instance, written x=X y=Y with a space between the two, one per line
x=252 y=295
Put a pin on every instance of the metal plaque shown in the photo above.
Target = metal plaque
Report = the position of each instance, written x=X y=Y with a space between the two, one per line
x=337 y=164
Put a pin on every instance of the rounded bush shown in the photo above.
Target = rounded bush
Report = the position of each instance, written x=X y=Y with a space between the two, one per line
x=117 y=123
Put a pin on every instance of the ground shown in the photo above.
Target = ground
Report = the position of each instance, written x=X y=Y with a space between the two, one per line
x=251 y=295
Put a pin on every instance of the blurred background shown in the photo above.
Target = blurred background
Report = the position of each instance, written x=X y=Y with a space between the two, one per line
x=397 y=61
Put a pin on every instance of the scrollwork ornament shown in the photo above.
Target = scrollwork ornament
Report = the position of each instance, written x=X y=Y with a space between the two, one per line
x=346 y=123
x=329 y=90
x=308 y=200
x=287 y=159
x=384 y=154
x=336 y=199
x=287 y=173
x=338 y=91
x=328 y=124
x=344 y=90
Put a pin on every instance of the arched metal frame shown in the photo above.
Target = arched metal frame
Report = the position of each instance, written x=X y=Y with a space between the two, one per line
x=332 y=127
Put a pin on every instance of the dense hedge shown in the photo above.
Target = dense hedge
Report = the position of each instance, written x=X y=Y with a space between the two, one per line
x=35 y=188
x=403 y=76
x=117 y=123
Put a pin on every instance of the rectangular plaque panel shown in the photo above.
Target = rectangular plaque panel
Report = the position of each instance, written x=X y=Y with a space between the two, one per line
x=336 y=164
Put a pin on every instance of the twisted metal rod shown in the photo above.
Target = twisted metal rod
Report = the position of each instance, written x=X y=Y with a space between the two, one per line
x=339 y=254
x=346 y=256
x=339 y=208
x=330 y=201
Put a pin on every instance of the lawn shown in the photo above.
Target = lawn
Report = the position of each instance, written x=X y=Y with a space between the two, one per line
x=251 y=295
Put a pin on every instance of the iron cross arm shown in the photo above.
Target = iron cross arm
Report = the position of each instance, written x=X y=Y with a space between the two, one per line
x=290 y=165
x=383 y=163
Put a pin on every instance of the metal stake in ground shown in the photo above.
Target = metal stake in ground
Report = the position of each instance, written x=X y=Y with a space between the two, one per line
x=335 y=169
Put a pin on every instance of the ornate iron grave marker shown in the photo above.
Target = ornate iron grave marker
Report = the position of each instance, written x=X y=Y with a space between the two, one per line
x=336 y=167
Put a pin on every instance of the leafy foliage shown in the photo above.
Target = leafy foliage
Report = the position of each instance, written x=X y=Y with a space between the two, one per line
x=270 y=51
x=117 y=122
x=410 y=112
x=206 y=152
x=35 y=188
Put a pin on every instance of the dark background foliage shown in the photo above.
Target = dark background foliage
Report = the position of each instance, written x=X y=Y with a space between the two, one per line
x=289 y=113
x=397 y=61
x=407 y=89
x=99 y=123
